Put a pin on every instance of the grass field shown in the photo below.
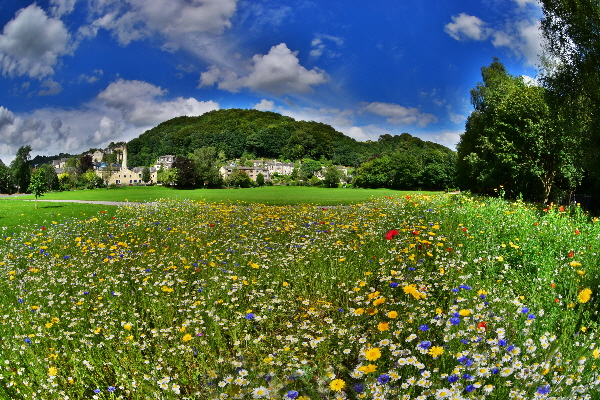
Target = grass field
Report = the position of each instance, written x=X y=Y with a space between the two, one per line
x=398 y=297
x=274 y=195
x=19 y=212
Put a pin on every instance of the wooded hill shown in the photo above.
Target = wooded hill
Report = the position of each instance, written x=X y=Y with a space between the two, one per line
x=263 y=134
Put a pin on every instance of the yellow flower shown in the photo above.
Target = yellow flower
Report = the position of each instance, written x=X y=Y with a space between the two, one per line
x=358 y=311
x=596 y=353
x=464 y=313
x=435 y=351
x=412 y=290
x=165 y=288
x=392 y=314
x=52 y=371
x=368 y=368
x=337 y=385
x=373 y=354
x=383 y=326
x=49 y=325
x=585 y=295
x=379 y=301
x=575 y=264
x=187 y=337
x=127 y=326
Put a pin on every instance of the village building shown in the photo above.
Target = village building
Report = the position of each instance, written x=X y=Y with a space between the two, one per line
x=116 y=174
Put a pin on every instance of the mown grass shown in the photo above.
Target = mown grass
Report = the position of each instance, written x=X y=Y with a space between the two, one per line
x=273 y=195
x=400 y=297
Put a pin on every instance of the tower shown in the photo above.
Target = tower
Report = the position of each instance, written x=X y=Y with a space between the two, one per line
x=124 y=164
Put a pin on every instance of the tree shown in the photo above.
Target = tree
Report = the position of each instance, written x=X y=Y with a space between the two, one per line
x=375 y=173
x=37 y=185
x=239 y=178
x=6 y=179
x=84 y=164
x=260 y=179
x=21 y=172
x=517 y=137
x=50 y=176
x=308 y=168
x=332 y=176
x=146 y=175
x=167 y=176
x=186 y=172
x=206 y=162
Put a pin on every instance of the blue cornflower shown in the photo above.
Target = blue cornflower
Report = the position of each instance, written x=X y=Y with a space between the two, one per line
x=543 y=389
x=455 y=320
x=470 y=388
x=466 y=287
x=111 y=388
x=495 y=370
x=425 y=344
x=292 y=394
x=21 y=301
x=359 y=387
x=455 y=290
x=482 y=296
x=411 y=269
x=424 y=327
x=96 y=390
x=66 y=257
x=464 y=341
x=531 y=316
x=467 y=376
x=453 y=378
x=250 y=316
x=394 y=284
x=502 y=342
x=27 y=340
x=525 y=310
x=383 y=379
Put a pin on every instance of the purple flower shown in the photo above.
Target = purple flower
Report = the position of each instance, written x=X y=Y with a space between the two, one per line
x=383 y=379
x=543 y=389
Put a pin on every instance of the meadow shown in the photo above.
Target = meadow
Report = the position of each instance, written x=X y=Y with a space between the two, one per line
x=409 y=296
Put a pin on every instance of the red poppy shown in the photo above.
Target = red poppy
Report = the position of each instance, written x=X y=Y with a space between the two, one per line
x=390 y=235
x=571 y=254
x=482 y=325
x=43 y=228
x=561 y=208
x=576 y=231
x=415 y=233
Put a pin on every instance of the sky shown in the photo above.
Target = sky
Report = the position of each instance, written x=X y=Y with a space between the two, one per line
x=79 y=74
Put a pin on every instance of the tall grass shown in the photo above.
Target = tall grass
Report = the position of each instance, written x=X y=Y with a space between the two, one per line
x=410 y=297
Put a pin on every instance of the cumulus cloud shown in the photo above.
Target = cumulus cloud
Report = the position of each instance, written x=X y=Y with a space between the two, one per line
x=464 y=27
x=131 y=20
x=96 y=74
x=136 y=101
x=399 y=115
x=277 y=72
x=16 y=132
x=521 y=35
x=265 y=105
x=32 y=43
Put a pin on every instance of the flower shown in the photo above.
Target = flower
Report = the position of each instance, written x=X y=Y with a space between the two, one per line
x=392 y=314
x=292 y=394
x=390 y=235
x=585 y=295
x=337 y=385
x=543 y=389
x=52 y=371
x=383 y=326
x=187 y=337
x=383 y=379
x=373 y=354
x=250 y=316
x=436 y=351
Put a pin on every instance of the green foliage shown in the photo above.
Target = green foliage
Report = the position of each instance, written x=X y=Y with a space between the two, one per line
x=6 y=180
x=517 y=138
x=167 y=176
x=20 y=169
x=186 y=172
x=37 y=184
x=239 y=178
x=206 y=165
x=332 y=176
x=260 y=179
x=50 y=176
x=146 y=175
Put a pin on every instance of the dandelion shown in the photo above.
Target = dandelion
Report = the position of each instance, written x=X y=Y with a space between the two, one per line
x=52 y=371
x=436 y=351
x=187 y=337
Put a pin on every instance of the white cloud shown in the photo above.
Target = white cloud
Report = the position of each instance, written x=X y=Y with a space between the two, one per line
x=32 y=43
x=51 y=88
x=265 y=105
x=521 y=35
x=16 y=131
x=319 y=46
x=62 y=7
x=107 y=131
x=465 y=27
x=277 y=72
x=136 y=101
x=399 y=115
x=131 y=20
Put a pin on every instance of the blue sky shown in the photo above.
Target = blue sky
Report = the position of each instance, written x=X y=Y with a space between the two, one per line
x=77 y=74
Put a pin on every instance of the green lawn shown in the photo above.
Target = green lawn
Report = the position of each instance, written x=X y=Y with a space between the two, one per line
x=19 y=213
x=277 y=195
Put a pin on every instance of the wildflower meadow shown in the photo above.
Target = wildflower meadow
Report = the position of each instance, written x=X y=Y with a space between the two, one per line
x=401 y=297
